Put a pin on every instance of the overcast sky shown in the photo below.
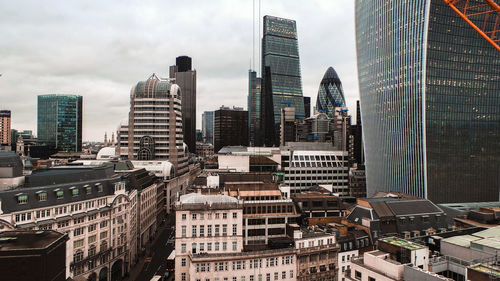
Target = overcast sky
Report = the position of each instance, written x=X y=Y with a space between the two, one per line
x=100 y=49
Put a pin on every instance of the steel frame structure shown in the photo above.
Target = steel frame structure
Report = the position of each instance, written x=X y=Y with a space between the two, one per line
x=476 y=15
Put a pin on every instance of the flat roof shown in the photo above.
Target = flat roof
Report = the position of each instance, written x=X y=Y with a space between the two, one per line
x=402 y=243
x=486 y=269
x=462 y=240
x=25 y=240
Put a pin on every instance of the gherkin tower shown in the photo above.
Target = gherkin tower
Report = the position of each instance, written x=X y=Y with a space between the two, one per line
x=330 y=93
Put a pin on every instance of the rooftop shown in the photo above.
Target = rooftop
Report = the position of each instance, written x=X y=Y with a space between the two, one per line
x=402 y=243
x=486 y=269
x=196 y=198
x=24 y=240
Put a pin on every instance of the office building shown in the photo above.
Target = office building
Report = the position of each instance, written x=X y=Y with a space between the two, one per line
x=209 y=242
x=33 y=255
x=357 y=135
x=230 y=127
x=60 y=122
x=308 y=164
x=5 y=131
x=307 y=107
x=185 y=77
x=282 y=84
x=430 y=101
x=288 y=127
x=207 y=126
x=330 y=93
x=154 y=131
x=254 y=106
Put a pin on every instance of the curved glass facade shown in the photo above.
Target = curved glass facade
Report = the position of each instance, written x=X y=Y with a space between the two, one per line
x=330 y=93
x=430 y=101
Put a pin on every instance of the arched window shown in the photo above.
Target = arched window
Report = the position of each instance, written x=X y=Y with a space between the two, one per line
x=104 y=246
x=92 y=250
x=78 y=256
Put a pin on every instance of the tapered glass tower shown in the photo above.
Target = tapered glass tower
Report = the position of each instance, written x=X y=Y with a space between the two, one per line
x=430 y=101
x=330 y=93
x=281 y=71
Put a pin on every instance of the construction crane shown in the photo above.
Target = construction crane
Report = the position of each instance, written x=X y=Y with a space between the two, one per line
x=477 y=14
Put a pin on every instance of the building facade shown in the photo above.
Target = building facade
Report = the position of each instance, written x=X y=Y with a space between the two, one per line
x=330 y=93
x=5 y=131
x=59 y=122
x=207 y=126
x=254 y=105
x=282 y=85
x=154 y=131
x=185 y=77
x=430 y=101
x=209 y=244
x=230 y=127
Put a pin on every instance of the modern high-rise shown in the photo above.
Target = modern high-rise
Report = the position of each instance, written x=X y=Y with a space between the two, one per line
x=307 y=107
x=207 y=126
x=154 y=131
x=185 y=78
x=282 y=85
x=5 y=132
x=330 y=93
x=430 y=101
x=60 y=122
x=230 y=127
x=254 y=105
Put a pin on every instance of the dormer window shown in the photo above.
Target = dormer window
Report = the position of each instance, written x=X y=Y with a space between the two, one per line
x=88 y=189
x=42 y=196
x=74 y=191
x=99 y=187
x=59 y=194
x=22 y=199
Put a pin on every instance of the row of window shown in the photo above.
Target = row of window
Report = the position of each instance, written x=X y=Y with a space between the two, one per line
x=201 y=247
x=42 y=195
x=209 y=216
x=252 y=277
x=194 y=230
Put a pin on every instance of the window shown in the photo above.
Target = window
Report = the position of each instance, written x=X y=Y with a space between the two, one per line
x=371 y=278
x=209 y=247
x=78 y=243
x=235 y=246
x=78 y=256
x=183 y=262
x=74 y=192
x=202 y=230
x=92 y=239
x=235 y=229
x=202 y=247
x=224 y=246
x=209 y=230
x=78 y=231
x=224 y=230
x=183 y=248
x=89 y=190
x=357 y=275
x=60 y=194
x=184 y=217
x=291 y=273
x=42 y=196
x=193 y=216
x=224 y=215
x=216 y=246
x=193 y=248
x=283 y=275
x=100 y=188
x=103 y=224
x=235 y=215
x=193 y=231
x=183 y=231
x=103 y=235
x=183 y=276
x=22 y=199
x=92 y=227
x=268 y=277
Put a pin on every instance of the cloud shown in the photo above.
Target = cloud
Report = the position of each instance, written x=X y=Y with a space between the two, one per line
x=101 y=49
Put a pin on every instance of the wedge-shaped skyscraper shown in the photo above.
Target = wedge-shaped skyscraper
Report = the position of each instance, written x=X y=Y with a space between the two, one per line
x=430 y=101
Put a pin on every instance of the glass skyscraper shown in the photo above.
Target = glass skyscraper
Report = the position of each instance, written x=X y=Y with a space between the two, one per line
x=254 y=113
x=430 y=101
x=60 y=122
x=281 y=73
x=330 y=93
x=207 y=126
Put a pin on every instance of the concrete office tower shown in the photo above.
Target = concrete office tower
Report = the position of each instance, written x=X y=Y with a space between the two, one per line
x=185 y=78
x=154 y=131
x=207 y=126
x=254 y=105
x=5 y=132
x=60 y=122
x=282 y=85
x=230 y=127
x=430 y=101
x=330 y=93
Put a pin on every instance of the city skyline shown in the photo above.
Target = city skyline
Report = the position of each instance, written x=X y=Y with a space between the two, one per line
x=45 y=46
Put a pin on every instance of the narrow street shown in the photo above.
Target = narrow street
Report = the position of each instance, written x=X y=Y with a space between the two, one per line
x=155 y=263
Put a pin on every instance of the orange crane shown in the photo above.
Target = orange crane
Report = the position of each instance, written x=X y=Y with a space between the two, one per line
x=477 y=15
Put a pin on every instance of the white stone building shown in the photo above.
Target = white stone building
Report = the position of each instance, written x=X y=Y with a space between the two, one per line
x=209 y=244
